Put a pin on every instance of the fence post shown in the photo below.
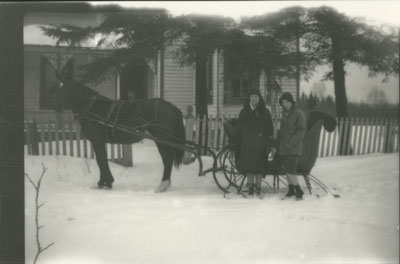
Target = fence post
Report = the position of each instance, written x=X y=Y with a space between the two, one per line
x=71 y=139
x=34 y=138
x=78 y=138
x=50 y=135
x=127 y=156
x=356 y=129
x=57 y=136
x=345 y=136
x=42 y=138
x=349 y=147
x=396 y=135
x=380 y=135
x=28 y=137
x=386 y=138
x=322 y=143
x=64 y=143
x=371 y=135
x=189 y=124
x=391 y=136
x=211 y=124
x=361 y=127
x=216 y=132
x=222 y=132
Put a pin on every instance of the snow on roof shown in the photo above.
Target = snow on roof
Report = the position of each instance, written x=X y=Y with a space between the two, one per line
x=33 y=35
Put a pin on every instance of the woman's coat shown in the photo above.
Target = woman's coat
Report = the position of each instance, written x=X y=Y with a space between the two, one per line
x=292 y=131
x=251 y=137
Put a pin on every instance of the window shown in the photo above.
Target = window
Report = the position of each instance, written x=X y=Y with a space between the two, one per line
x=48 y=82
x=236 y=89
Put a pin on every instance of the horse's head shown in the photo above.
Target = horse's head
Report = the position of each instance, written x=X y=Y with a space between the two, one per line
x=71 y=93
x=68 y=93
x=61 y=93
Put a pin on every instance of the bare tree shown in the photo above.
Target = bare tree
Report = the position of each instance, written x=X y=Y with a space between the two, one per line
x=377 y=96
x=319 y=89
x=40 y=249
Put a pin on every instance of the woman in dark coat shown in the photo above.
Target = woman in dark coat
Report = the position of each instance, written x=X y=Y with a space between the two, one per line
x=253 y=132
x=290 y=138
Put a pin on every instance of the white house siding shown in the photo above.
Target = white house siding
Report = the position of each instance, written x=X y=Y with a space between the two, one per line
x=288 y=85
x=178 y=83
x=218 y=107
x=31 y=80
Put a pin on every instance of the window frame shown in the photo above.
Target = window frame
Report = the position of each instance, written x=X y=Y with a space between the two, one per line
x=244 y=88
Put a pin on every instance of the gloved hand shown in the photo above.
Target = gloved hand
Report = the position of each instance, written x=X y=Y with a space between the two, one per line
x=268 y=149
x=230 y=145
x=272 y=142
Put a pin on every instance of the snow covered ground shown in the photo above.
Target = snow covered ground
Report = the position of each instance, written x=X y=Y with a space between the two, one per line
x=194 y=223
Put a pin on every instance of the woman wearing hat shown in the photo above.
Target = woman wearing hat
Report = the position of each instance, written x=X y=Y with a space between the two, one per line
x=252 y=134
x=291 y=134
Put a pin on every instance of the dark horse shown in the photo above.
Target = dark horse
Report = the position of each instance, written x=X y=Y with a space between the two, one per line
x=101 y=119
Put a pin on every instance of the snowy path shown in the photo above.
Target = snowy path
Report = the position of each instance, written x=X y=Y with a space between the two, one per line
x=193 y=223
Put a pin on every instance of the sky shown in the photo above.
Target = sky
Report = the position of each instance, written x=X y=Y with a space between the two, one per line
x=374 y=11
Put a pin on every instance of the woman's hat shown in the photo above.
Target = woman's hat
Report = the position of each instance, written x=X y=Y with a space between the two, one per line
x=286 y=96
x=254 y=91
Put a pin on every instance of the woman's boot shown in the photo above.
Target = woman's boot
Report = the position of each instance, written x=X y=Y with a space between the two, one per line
x=258 y=189
x=299 y=192
x=291 y=191
x=251 y=189
x=258 y=185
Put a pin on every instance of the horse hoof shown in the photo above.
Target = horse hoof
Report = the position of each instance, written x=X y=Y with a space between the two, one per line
x=164 y=185
x=104 y=186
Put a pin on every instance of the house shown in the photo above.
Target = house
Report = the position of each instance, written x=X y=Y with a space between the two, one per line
x=162 y=77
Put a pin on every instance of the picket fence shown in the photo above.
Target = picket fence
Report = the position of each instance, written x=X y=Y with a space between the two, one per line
x=63 y=136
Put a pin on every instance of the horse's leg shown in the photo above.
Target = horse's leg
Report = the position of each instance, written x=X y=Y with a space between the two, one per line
x=106 y=178
x=167 y=156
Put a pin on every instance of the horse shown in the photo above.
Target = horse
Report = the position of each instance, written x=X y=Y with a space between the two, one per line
x=101 y=119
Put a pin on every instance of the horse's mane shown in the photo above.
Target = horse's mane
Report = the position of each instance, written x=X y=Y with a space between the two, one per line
x=83 y=88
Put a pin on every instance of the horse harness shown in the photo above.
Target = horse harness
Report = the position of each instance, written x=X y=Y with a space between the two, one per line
x=113 y=116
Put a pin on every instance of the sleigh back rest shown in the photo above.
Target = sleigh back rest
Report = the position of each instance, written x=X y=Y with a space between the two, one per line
x=229 y=127
x=311 y=139
x=310 y=148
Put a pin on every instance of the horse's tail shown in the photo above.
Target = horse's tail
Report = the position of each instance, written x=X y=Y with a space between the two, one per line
x=181 y=134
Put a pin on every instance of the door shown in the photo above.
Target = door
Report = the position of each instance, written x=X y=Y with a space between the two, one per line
x=134 y=81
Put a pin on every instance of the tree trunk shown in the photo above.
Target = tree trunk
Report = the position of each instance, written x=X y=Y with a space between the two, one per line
x=338 y=78
x=340 y=92
x=297 y=65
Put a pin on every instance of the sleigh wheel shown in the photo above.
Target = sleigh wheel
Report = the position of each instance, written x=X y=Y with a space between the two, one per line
x=228 y=177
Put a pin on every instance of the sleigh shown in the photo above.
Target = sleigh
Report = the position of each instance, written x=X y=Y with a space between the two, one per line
x=232 y=180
